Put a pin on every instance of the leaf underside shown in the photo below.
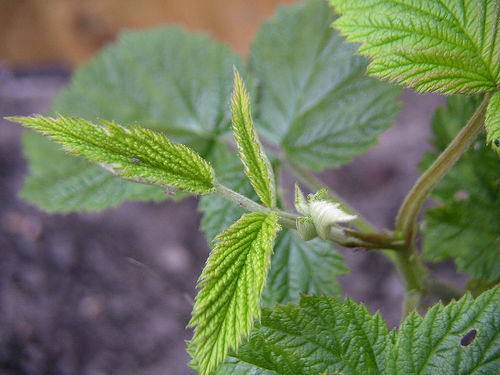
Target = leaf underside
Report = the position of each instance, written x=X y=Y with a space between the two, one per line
x=135 y=153
x=231 y=286
x=257 y=166
x=323 y=336
x=465 y=227
x=165 y=79
x=446 y=46
x=316 y=102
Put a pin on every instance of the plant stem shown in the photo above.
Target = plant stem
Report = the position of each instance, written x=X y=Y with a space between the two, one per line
x=338 y=235
x=286 y=219
x=408 y=212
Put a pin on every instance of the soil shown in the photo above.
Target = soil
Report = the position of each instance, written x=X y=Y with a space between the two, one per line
x=111 y=292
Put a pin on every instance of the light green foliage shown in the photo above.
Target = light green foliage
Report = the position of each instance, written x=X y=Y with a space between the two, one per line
x=61 y=183
x=136 y=153
x=321 y=336
x=302 y=268
x=316 y=102
x=301 y=204
x=165 y=79
x=447 y=46
x=492 y=122
x=257 y=166
x=231 y=286
x=465 y=227
x=432 y=345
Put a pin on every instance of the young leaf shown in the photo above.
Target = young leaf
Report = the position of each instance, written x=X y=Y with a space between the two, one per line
x=437 y=343
x=257 y=166
x=466 y=226
x=321 y=336
x=136 y=153
x=231 y=286
x=165 y=79
x=299 y=268
x=301 y=204
x=446 y=46
x=316 y=102
x=325 y=214
x=492 y=122
x=61 y=183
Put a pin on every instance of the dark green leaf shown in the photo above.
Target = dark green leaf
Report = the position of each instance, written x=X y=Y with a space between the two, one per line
x=316 y=101
x=435 y=344
x=300 y=267
x=322 y=336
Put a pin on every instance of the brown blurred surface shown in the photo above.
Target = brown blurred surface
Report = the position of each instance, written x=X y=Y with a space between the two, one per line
x=36 y=32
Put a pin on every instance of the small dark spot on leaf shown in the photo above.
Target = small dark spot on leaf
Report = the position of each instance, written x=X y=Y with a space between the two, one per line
x=497 y=143
x=134 y=160
x=468 y=337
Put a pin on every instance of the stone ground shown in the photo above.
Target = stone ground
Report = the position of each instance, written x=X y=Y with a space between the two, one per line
x=111 y=292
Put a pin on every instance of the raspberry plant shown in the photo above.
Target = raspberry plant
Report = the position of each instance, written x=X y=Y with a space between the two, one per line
x=316 y=104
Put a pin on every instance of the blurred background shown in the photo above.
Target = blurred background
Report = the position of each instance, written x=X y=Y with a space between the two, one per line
x=111 y=292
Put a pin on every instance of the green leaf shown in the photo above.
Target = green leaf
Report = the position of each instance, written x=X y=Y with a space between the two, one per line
x=61 y=183
x=316 y=102
x=165 y=79
x=465 y=227
x=257 y=166
x=492 y=121
x=136 y=153
x=436 y=345
x=231 y=286
x=299 y=268
x=446 y=46
x=322 y=336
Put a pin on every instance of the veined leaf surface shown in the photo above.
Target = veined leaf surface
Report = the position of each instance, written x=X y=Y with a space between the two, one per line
x=316 y=101
x=165 y=79
x=137 y=154
x=231 y=286
x=492 y=121
x=257 y=165
x=448 y=46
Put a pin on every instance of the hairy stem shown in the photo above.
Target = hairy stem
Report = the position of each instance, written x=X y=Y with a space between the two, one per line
x=409 y=210
x=286 y=219
x=341 y=236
